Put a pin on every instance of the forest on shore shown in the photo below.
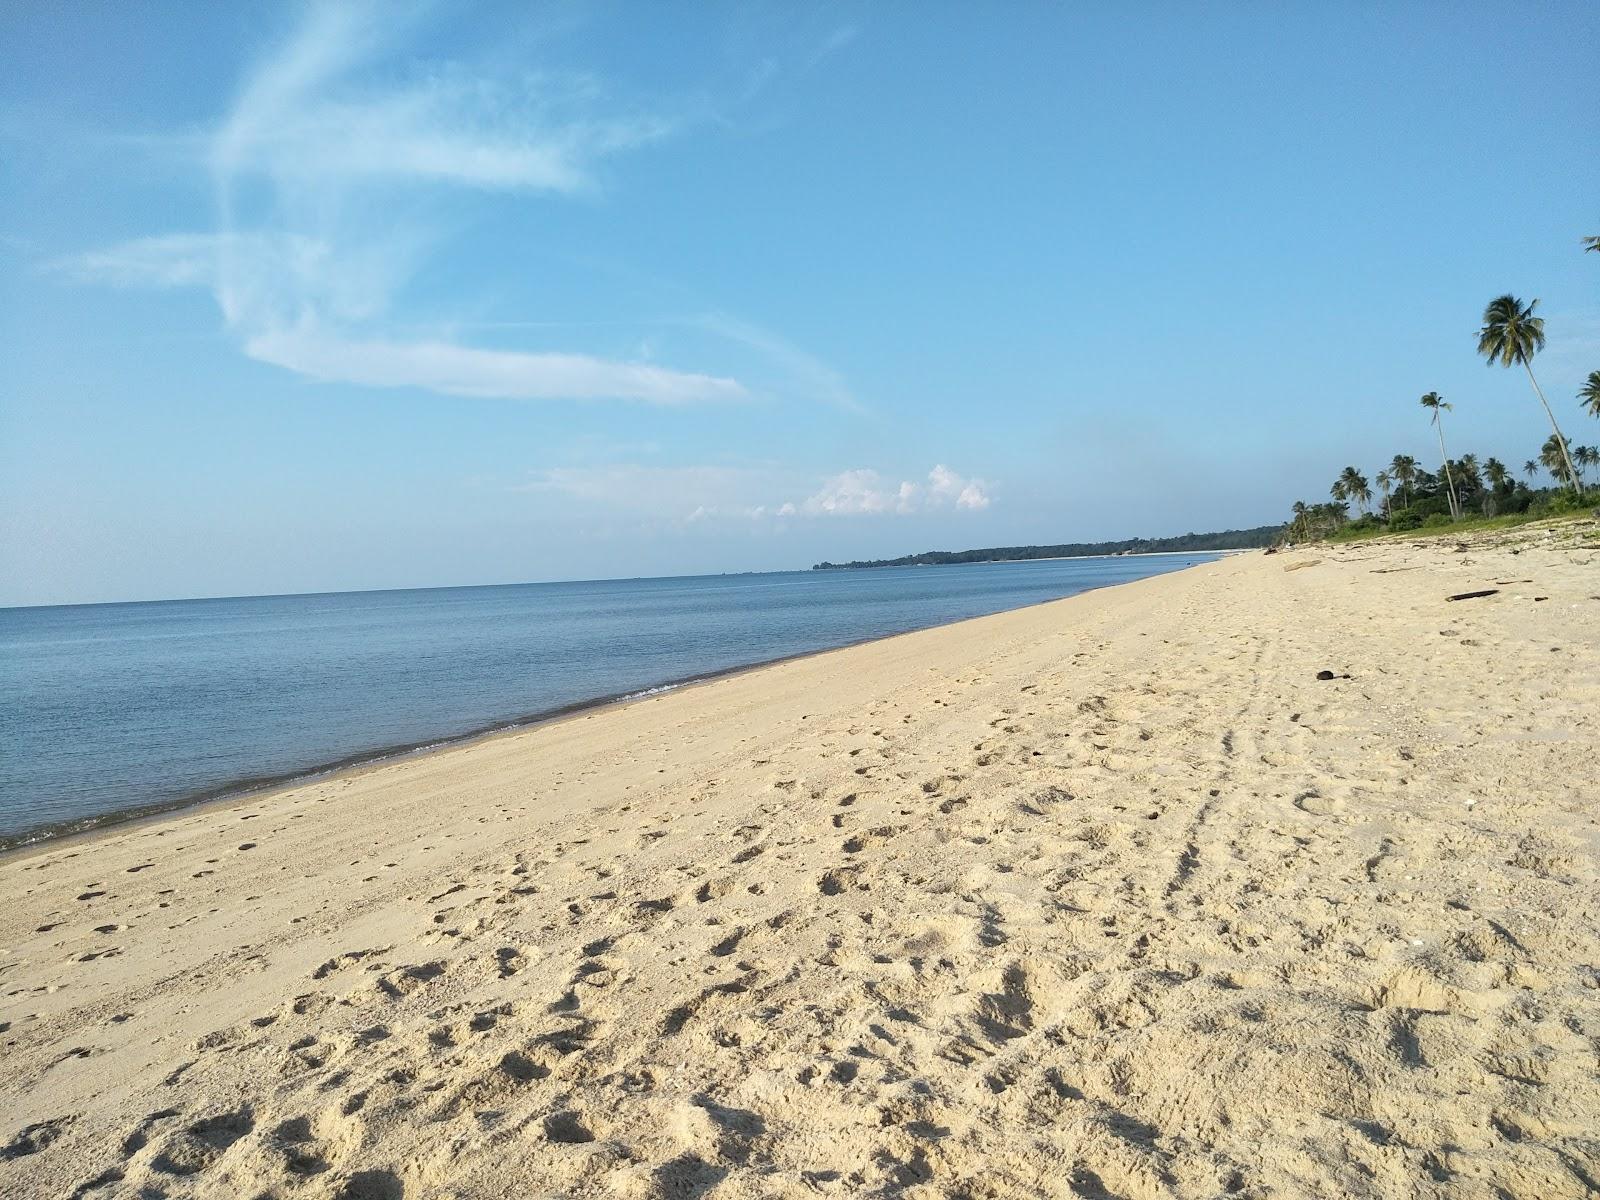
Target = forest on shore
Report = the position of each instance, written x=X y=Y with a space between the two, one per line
x=1228 y=539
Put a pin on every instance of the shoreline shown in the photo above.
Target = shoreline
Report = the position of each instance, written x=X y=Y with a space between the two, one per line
x=989 y=562
x=1272 y=878
x=239 y=791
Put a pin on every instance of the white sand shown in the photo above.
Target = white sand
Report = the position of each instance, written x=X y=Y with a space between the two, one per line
x=1107 y=897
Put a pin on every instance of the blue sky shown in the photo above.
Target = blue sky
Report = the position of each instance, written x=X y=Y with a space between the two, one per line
x=369 y=296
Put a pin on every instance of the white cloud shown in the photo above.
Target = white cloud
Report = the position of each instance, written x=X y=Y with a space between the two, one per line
x=857 y=493
x=864 y=493
x=302 y=117
x=703 y=493
x=176 y=260
x=464 y=371
x=316 y=169
x=945 y=485
x=256 y=277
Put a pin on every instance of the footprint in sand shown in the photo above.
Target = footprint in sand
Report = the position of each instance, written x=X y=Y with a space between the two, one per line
x=1319 y=805
x=401 y=983
x=509 y=960
x=841 y=880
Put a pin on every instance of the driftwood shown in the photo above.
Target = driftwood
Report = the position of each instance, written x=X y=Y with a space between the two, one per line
x=1473 y=595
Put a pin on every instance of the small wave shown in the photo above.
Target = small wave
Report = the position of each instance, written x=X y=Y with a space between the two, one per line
x=656 y=691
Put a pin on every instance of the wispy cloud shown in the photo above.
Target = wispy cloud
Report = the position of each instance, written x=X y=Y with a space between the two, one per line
x=465 y=371
x=306 y=116
x=814 y=376
x=315 y=170
x=836 y=41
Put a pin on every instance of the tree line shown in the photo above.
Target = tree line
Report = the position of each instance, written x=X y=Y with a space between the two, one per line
x=1228 y=539
x=1410 y=495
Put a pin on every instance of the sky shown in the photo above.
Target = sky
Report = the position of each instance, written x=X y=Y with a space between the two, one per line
x=309 y=298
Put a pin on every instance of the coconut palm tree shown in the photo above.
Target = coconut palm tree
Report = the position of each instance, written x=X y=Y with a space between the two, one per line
x=1591 y=243
x=1436 y=404
x=1385 y=482
x=1468 y=482
x=1300 y=512
x=1553 y=454
x=1512 y=334
x=1352 y=485
x=1589 y=394
x=1403 y=470
x=1495 y=473
x=1361 y=493
x=1530 y=469
x=1585 y=457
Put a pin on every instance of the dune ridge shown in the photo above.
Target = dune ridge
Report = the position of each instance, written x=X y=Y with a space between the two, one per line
x=1110 y=897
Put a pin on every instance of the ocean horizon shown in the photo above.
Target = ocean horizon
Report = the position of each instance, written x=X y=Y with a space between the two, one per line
x=112 y=711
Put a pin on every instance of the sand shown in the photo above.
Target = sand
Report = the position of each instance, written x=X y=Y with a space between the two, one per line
x=1106 y=897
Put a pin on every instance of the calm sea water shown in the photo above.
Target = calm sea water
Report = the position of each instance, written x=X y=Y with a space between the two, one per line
x=109 y=709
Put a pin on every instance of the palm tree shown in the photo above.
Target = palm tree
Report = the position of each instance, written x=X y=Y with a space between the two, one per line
x=1435 y=404
x=1589 y=393
x=1591 y=243
x=1553 y=454
x=1495 y=472
x=1352 y=485
x=1468 y=484
x=1512 y=334
x=1585 y=456
x=1300 y=513
x=1385 y=482
x=1403 y=470
x=1530 y=469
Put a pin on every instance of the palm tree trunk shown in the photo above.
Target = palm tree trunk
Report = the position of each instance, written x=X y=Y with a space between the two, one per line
x=1450 y=483
x=1572 y=474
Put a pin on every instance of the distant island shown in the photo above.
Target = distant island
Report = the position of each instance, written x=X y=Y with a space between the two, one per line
x=1228 y=539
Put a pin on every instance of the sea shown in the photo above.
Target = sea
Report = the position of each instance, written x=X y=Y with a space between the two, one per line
x=112 y=711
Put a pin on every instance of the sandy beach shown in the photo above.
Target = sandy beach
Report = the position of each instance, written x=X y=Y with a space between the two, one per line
x=1109 y=897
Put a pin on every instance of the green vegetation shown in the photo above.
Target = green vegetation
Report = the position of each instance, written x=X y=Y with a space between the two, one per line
x=1481 y=495
x=1466 y=494
x=1228 y=539
x=1358 y=531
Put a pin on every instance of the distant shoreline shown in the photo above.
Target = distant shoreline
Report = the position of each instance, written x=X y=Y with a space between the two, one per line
x=984 y=562
x=1224 y=541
